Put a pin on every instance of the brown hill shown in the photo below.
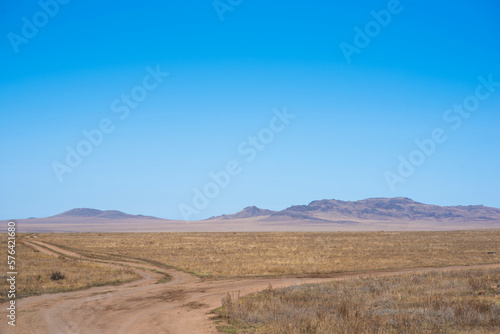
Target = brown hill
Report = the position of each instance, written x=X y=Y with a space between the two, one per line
x=248 y=212
x=94 y=213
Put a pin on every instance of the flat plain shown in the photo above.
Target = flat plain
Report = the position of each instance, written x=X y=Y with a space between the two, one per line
x=227 y=255
x=368 y=280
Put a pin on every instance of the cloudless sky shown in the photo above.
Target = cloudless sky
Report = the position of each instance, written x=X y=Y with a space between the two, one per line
x=353 y=119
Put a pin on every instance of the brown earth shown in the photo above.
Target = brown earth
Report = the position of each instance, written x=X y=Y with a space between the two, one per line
x=181 y=305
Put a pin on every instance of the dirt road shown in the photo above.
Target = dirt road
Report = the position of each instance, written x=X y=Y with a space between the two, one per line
x=178 y=306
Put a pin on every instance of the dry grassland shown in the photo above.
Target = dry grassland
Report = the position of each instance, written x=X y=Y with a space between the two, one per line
x=222 y=255
x=465 y=301
x=36 y=269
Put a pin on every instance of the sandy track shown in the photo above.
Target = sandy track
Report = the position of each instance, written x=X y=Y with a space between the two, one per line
x=178 y=306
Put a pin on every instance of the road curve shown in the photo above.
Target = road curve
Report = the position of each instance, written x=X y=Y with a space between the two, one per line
x=178 y=306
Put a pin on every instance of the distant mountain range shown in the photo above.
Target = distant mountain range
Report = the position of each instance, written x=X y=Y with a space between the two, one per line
x=370 y=214
x=379 y=209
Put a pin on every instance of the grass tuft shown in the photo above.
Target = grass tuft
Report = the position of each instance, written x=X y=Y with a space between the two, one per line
x=56 y=276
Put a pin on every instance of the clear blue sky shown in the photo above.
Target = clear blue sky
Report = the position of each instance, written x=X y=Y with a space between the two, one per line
x=353 y=119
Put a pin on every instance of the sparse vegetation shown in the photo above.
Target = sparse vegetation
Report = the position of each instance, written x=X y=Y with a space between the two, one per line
x=222 y=255
x=40 y=273
x=465 y=301
x=449 y=302
x=56 y=276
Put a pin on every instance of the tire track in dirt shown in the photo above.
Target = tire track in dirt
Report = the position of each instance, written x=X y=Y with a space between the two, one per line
x=180 y=305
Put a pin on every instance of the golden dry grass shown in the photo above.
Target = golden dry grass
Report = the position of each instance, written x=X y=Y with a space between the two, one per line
x=35 y=270
x=465 y=301
x=221 y=255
